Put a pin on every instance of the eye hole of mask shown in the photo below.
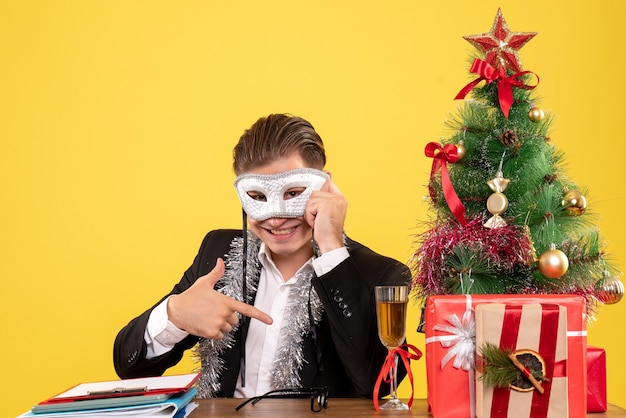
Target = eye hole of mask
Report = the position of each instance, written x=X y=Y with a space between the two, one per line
x=289 y=194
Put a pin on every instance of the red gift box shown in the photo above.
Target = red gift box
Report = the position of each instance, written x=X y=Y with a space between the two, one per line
x=541 y=328
x=596 y=380
x=449 y=352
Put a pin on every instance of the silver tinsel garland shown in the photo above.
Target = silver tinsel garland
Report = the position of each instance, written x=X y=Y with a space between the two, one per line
x=304 y=306
x=289 y=358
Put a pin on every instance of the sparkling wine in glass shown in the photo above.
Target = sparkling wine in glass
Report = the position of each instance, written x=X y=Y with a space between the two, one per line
x=391 y=306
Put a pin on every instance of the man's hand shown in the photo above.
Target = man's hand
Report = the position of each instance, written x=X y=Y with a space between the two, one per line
x=204 y=312
x=326 y=214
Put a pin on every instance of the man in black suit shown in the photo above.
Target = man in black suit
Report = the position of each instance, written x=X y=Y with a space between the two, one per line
x=304 y=316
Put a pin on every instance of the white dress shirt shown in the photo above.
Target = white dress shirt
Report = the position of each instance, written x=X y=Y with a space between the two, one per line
x=262 y=340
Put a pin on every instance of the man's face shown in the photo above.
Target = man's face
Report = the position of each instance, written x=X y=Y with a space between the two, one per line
x=275 y=196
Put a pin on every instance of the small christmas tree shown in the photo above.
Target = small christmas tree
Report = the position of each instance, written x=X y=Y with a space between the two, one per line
x=507 y=218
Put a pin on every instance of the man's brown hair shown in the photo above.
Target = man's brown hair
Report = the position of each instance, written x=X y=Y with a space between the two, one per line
x=278 y=136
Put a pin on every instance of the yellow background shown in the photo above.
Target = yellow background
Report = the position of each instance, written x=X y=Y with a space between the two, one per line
x=117 y=121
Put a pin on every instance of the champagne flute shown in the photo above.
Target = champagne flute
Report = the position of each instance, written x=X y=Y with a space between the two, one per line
x=391 y=307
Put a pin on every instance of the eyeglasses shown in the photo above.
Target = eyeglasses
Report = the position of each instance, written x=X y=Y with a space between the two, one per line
x=319 y=397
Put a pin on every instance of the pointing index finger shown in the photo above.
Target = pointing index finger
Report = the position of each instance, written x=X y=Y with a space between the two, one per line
x=250 y=311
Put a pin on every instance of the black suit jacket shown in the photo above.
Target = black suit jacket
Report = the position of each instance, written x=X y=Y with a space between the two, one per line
x=347 y=338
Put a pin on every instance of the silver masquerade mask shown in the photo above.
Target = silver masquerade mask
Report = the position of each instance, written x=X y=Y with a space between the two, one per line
x=273 y=188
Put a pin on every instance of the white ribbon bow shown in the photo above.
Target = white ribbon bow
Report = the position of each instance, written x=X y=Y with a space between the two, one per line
x=462 y=342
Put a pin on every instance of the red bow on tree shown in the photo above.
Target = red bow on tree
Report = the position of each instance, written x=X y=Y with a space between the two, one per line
x=505 y=83
x=441 y=156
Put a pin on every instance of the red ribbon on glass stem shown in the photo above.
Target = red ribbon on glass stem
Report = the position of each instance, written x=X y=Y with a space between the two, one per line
x=404 y=352
x=441 y=156
x=505 y=83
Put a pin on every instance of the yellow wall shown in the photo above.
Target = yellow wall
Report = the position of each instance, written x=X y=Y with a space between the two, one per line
x=117 y=120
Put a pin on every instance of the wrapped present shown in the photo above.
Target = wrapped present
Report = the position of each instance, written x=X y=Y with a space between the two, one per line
x=449 y=326
x=524 y=339
x=596 y=380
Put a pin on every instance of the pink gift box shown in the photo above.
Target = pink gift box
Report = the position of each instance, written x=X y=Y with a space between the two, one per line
x=450 y=380
x=596 y=380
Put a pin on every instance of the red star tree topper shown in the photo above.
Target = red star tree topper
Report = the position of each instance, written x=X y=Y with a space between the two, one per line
x=500 y=45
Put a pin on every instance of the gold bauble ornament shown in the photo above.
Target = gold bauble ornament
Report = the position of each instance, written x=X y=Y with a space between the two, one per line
x=553 y=263
x=609 y=289
x=574 y=202
x=535 y=114
x=460 y=150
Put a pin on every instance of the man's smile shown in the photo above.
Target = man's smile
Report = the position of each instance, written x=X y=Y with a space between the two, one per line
x=282 y=231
